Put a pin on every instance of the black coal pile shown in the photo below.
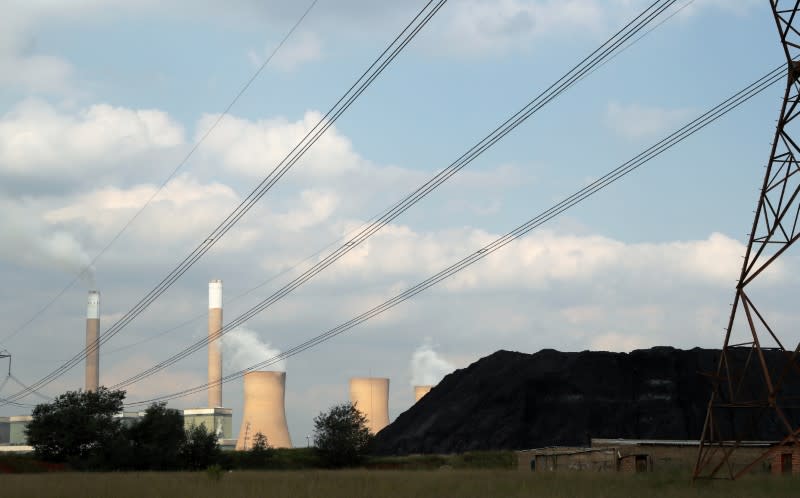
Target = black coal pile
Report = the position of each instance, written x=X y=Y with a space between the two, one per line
x=511 y=400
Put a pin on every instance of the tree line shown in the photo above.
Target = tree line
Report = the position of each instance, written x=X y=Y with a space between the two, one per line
x=79 y=428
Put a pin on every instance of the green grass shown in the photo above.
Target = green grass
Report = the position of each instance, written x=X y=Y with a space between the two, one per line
x=493 y=460
x=380 y=483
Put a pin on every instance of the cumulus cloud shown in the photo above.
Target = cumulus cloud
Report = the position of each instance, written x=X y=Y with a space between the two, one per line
x=43 y=143
x=254 y=148
x=545 y=258
x=640 y=121
x=183 y=211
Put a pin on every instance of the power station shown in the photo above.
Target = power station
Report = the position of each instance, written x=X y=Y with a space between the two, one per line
x=263 y=410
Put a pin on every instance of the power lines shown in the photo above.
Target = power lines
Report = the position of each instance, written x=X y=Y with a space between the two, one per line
x=606 y=50
x=612 y=176
x=164 y=183
x=394 y=48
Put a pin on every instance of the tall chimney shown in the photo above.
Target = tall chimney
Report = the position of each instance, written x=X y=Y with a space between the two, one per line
x=420 y=391
x=264 y=410
x=214 y=345
x=92 y=344
x=370 y=395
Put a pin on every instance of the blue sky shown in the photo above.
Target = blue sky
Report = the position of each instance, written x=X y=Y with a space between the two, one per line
x=99 y=101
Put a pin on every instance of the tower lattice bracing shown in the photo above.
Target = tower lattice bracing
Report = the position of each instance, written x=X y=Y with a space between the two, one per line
x=756 y=388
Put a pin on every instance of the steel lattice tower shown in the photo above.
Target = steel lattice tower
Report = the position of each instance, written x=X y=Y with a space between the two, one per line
x=756 y=388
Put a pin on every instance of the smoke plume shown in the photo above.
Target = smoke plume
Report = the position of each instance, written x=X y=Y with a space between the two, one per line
x=242 y=348
x=427 y=367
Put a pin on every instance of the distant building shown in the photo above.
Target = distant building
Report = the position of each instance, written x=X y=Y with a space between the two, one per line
x=216 y=420
x=644 y=455
x=17 y=426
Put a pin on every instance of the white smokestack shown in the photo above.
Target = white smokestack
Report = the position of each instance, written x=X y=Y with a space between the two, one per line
x=214 y=349
x=427 y=366
x=92 y=381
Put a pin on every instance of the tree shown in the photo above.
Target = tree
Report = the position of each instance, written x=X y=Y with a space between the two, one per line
x=201 y=448
x=157 y=439
x=341 y=436
x=76 y=425
x=260 y=453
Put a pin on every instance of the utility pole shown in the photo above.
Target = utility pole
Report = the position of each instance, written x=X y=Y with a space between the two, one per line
x=756 y=387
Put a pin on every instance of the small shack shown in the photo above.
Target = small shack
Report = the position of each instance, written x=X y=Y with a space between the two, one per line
x=561 y=458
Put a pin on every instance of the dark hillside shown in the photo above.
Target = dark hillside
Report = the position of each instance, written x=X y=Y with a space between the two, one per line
x=511 y=400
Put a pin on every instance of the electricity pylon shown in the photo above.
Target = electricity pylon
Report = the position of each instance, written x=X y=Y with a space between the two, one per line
x=756 y=388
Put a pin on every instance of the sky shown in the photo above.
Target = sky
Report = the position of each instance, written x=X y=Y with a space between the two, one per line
x=100 y=102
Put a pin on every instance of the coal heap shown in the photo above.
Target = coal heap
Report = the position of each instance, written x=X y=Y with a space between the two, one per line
x=512 y=400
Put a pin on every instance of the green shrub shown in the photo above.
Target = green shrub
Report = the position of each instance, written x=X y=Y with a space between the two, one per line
x=214 y=472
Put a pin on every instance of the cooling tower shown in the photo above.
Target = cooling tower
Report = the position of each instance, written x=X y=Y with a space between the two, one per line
x=214 y=346
x=420 y=391
x=264 y=410
x=92 y=344
x=371 y=397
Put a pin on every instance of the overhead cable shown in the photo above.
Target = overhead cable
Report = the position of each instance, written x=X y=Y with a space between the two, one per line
x=612 y=176
x=604 y=51
x=388 y=55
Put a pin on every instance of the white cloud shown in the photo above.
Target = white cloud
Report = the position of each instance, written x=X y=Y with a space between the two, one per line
x=639 y=121
x=254 y=148
x=40 y=141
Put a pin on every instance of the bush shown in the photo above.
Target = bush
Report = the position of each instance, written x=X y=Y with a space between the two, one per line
x=341 y=436
x=156 y=440
x=201 y=448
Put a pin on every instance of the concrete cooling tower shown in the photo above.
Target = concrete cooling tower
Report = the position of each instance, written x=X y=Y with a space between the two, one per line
x=371 y=397
x=264 y=410
x=92 y=344
x=214 y=346
x=420 y=391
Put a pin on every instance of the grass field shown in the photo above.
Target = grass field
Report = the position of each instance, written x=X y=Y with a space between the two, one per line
x=380 y=483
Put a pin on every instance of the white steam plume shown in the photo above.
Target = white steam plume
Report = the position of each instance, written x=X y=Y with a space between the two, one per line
x=242 y=347
x=427 y=367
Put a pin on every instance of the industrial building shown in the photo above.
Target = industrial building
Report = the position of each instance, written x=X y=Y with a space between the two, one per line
x=642 y=455
x=370 y=395
x=17 y=425
x=217 y=420
x=264 y=410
